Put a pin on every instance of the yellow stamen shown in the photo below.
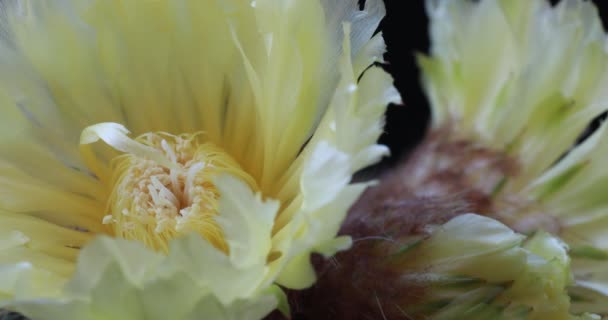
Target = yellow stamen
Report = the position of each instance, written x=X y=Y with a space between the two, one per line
x=162 y=187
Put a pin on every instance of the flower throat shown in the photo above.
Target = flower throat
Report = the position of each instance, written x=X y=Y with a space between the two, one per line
x=169 y=191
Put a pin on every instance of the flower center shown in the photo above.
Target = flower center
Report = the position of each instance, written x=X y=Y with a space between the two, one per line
x=159 y=197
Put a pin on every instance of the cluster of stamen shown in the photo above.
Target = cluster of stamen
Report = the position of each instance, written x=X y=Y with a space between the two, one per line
x=155 y=203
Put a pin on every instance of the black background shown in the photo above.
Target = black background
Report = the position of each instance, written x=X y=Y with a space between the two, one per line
x=405 y=32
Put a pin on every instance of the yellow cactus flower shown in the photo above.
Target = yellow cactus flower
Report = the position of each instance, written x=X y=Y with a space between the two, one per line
x=248 y=119
x=518 y=94
x=513 y=84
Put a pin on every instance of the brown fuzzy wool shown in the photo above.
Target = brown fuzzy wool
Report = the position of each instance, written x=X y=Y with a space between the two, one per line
x=443 y=178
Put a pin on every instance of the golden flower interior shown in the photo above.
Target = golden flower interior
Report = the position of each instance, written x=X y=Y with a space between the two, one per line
x=170 y=192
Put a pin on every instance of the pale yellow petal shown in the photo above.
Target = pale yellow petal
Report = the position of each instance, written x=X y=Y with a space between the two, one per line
x=23 y=280
x=22 y=193
x=475 y=267
x=118 y=279
x=528 y=82
x=246 y=221
x=575 y=190
x=327 y=164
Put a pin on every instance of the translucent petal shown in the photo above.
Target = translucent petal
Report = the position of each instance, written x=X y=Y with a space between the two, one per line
x=24 y=280
x=574 y=189
x=477 y=268
x=260 y=95
x=529 y=81
x=117 y=279
x=246 y=220
x=528 y=84
x=329 y=160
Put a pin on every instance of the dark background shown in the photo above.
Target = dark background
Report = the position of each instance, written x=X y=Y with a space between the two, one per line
x=405 y=32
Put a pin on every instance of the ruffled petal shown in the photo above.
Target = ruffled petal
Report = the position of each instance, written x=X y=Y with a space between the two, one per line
x=574 y=189
x=22 y=280
x=528 y=82
x=474 y=267
x=329 y=160
x=247 y=224
x=246 y=91
x=118 y=279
